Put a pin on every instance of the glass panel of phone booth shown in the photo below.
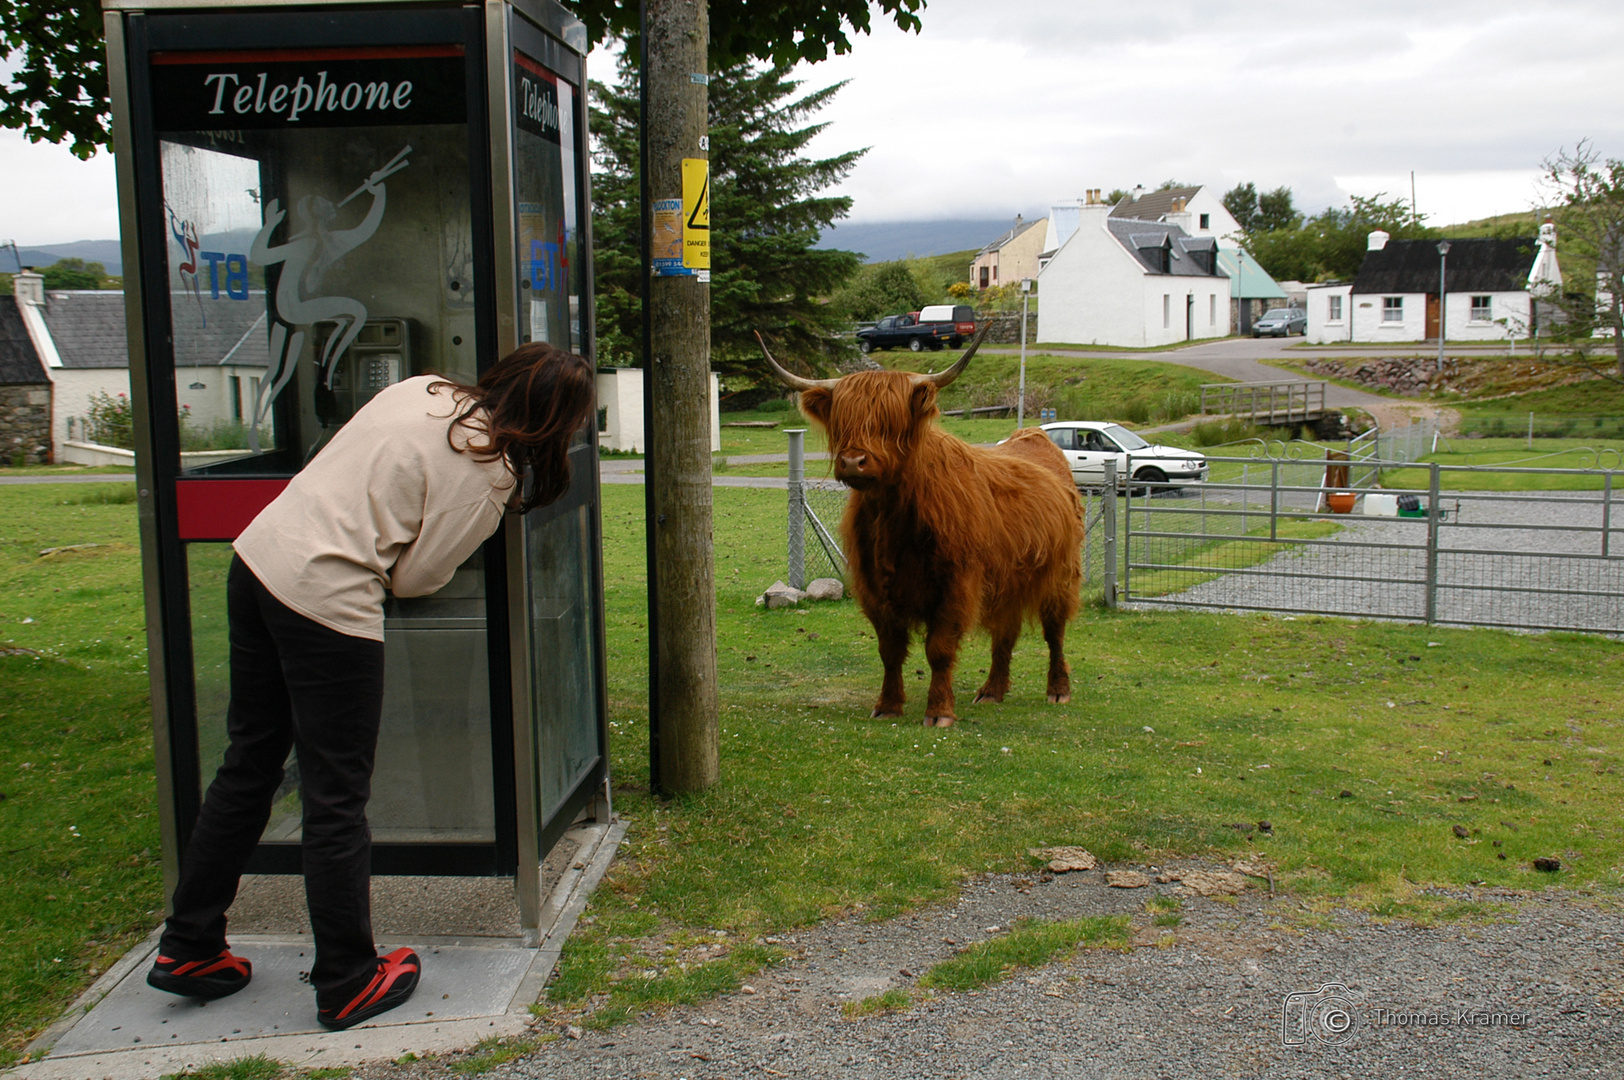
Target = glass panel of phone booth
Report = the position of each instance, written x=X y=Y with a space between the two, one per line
x=559 y=545
x=548 y=218
x=310 y=266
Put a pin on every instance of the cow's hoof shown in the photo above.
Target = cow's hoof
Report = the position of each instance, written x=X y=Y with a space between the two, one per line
x=883 y=714
x=989 y=697
x=939 y=721
x=1059 y=699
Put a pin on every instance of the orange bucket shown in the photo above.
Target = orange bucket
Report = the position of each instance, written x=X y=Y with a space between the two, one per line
x=1341 y=502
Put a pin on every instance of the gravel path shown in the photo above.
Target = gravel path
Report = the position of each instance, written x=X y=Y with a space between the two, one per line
x=1490 y=549
x=1205 y=998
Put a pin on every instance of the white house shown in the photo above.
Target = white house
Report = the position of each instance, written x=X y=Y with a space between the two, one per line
x=1194 y=209
x=1129 y=282
x=1200 y=212
x=1488 y=289
x=620 y=410
x=79 y=339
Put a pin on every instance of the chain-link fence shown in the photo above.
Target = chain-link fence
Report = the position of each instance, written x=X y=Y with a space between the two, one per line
x=815 y=509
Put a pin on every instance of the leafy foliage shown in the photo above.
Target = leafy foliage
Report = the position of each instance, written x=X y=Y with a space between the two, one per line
x=880 y=289
x=74 y=274
x=59 y=90
x=1263 y=212
x=1331 y=244
x=766 y=215
x=1586 y=193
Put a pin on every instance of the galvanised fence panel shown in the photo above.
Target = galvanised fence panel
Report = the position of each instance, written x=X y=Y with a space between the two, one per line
x=1258 y=536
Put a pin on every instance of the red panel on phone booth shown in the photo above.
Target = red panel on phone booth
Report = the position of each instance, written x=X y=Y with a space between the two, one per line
x=221 y=509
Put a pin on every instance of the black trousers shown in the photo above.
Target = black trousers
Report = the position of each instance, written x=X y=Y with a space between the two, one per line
x=298 y=684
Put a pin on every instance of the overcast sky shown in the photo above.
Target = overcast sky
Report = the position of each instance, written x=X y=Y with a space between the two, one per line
x=1002 y=108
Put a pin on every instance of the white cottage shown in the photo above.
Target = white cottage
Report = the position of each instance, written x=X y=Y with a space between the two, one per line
x=1129 y=282
x=1488 y=290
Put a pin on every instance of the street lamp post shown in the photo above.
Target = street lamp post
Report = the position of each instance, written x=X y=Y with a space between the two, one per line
x=1443 y=298
x=1240 y=291
x=1020 y=403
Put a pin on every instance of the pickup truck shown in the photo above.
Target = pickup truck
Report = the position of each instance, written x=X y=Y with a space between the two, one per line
x=899 y=331
x=962 y=317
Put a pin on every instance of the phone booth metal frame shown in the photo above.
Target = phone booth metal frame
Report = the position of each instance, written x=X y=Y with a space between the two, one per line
x=528 y=621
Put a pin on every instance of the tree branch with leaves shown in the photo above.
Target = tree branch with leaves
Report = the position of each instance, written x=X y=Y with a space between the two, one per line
x=1585 y=193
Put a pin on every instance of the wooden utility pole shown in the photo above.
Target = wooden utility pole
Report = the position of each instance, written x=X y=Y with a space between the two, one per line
x=682 y=585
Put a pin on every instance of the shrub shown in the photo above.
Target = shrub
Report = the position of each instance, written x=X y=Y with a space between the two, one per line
x=110 y=420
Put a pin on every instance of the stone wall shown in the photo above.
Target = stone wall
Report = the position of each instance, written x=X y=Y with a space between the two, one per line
x=25 y=425
x=1411 y=377
x=1006 y=329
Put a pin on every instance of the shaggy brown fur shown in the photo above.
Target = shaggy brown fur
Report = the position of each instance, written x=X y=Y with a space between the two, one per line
x=946 y=536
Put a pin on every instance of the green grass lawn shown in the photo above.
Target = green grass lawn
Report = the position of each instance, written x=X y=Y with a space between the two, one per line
x=1094 y=388
x=78 y=825
x=1183 y=725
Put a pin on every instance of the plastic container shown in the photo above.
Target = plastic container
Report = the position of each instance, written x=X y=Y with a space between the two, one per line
x=1379 y=505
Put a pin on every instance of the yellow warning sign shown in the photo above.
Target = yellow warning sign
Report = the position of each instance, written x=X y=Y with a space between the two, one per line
x=696 y=213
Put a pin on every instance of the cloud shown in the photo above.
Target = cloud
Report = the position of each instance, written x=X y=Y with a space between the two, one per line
x=1049 y=97
x=998 y=109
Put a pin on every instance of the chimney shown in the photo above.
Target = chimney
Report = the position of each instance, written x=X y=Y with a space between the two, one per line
x=1138 y=190
x=1377 y=241
x=29 y=288
x=1178 y=215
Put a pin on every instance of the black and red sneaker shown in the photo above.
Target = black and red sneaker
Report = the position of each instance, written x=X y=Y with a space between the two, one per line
x=393 y=983
x=217 y=977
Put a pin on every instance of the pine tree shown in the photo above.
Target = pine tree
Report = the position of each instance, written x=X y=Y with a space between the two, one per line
x=766 y=215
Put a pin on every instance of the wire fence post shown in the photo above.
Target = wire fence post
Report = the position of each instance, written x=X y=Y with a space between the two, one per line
x=1432 y=545
x=797 y=507
x=1108 y=521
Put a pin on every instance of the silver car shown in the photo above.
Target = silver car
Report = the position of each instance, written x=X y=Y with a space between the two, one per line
x=1087 y=445
x=1281 y=322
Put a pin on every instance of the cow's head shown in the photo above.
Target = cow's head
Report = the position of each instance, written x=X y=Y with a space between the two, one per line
x=872 y=418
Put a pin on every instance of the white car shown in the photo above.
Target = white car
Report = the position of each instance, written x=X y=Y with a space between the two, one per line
x=1088 y=444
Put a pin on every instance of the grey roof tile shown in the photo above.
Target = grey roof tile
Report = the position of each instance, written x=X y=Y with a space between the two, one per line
x=19 y=363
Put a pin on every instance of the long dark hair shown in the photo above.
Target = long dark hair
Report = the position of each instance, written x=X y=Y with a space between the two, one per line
x=527 y=408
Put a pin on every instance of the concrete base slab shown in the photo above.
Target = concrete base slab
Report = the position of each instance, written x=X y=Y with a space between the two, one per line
x=459 y=982
x=473 y=987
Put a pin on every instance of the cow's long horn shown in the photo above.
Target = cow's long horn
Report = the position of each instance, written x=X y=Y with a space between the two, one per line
x=789 y=379
x=943 y=378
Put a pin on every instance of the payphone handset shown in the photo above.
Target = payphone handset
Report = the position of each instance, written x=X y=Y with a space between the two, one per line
x=379 y=357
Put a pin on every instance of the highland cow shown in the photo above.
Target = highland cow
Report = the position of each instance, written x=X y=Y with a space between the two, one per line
x=943 y=535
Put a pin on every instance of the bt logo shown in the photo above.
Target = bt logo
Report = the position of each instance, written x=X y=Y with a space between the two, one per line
x=235 y=274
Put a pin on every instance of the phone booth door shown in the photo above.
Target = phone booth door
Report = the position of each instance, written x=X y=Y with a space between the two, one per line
x=311 y=197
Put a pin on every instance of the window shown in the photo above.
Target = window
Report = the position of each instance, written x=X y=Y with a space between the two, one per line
x=1206 y=221
x=1392 y=309
x=1065 y=438
x=1212 y=308
x=995 y=275
x=236 y=398
x=1167 y=310
x=1481 y=309
x=1333 y=309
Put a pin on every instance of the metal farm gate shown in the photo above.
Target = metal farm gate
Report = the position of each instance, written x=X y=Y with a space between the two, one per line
x=1464 y=549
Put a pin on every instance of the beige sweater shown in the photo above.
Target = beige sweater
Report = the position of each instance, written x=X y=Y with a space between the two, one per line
x=387 y=504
